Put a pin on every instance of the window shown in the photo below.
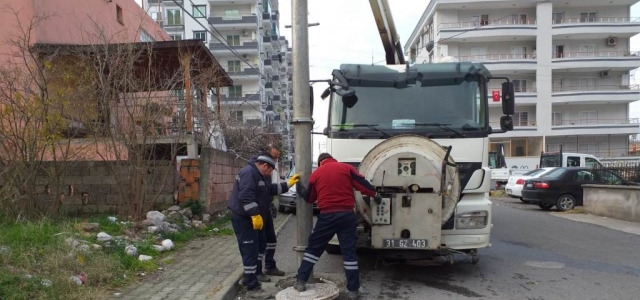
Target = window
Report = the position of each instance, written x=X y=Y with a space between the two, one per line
x=519 y=151
x=176 y=37
x=520 y=85
x=233 y=40
x=479 y=20
x=173 y=17
x=558 y=18
x=521 y=118
x=478 y=53
x=518 y=52
x=235 y=91
x=573 y=161
x=556 y=119
x=519 y=19
x=237 y=115
x=146 y=37
x=587 y=17
x=591 y=162
x=200 y=11
x=233 y=66
x=588 y=117
x=119 y=16
x=559 y=51
x=553 y=148
x=591 y=148
x=232 y=14
x=200 y=35
x=587 y=84
x=588 y=50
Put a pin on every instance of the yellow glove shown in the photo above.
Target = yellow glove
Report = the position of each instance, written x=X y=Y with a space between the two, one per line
x=293 y=180
x=257 y=222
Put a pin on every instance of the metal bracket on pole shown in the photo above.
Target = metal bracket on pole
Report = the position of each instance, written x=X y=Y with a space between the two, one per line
x=302 y=121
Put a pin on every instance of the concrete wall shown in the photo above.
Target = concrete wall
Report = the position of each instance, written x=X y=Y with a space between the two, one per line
x=618 y=202
x=98 y=187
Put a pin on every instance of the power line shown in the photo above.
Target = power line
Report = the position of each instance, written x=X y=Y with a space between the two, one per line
x=229 y=47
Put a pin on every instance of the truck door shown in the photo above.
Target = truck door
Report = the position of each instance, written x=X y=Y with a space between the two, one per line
x=573 y=161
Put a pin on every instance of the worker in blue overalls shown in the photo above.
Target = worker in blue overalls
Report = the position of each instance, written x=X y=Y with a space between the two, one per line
x=244 y=203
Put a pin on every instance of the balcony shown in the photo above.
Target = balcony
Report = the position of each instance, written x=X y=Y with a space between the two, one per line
x=266 y=21
x=267 y=64
x=599 y=94
x=251 y=98
x=504 y=62
x=225 y=21
x=268 y=87
x=266 y=42
x=596 y=28
x=595 y=126
x=524 y=96
x=277 y=119
x=522 y=129
x=488 y=30
x=247 y=73
x=246 y=47
x=276 y=100
x=274 y=41
x=253 y=121
x=597 y=60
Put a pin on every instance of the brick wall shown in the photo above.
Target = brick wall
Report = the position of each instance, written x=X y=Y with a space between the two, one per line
x=98 y=187
x=218 y=170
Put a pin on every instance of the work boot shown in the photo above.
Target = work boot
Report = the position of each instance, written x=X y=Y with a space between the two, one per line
x=353 y=295
x=300 y=286
x=263 y=278
x=274 y=272
x=258 y=293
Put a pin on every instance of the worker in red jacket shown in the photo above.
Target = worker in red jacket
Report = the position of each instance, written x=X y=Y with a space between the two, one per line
x=332 y=186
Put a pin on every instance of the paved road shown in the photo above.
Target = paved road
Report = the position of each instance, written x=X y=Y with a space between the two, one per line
x=534 y=256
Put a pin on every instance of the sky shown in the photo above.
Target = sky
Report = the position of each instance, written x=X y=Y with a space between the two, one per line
x=348 y=34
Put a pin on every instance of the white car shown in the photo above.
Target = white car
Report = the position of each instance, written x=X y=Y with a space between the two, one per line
x=516 y=182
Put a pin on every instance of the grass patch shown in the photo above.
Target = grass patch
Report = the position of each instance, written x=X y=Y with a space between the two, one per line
x=33 y=253
x=575 y=210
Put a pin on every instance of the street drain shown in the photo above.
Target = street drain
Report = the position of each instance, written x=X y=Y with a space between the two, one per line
x=545 y=264
x=315 y=291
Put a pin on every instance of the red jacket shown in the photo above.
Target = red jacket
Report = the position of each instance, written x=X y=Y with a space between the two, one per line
x=332 y=186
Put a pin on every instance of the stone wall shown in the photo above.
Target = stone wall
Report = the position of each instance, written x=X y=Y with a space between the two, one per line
x=218 y=170
x=612 y=201
x=98 y=187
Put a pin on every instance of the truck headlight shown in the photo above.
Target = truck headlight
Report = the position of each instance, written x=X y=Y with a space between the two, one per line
x=472 y=220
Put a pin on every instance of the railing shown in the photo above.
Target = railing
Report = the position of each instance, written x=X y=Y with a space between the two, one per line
x=266 y=39
x=172 y=22
x=486 y=57
x=597 y=20
x=579 y=122
x=596 y=54
x=268 y=85
x=246 y=96
x=501 y=22
x=228 y=17
x=531 y=89
x=520 y=124
x=257 y=121
x=269 y=107
x=573 y=88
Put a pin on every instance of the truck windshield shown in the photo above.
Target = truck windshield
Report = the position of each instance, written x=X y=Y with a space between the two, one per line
x=449 y=108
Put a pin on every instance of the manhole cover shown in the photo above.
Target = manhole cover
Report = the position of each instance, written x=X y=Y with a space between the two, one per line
x=545 y=264
x=315 y=291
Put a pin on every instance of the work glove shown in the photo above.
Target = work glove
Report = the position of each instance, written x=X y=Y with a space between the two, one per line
x=257 y=222
x=293 y=180
x=274 y=211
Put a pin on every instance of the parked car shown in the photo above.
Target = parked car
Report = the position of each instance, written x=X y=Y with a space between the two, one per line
x=287 y=201
x=516 y=182
x=562 y=187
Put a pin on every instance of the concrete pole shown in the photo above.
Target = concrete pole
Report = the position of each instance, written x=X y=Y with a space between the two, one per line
x=301 y=117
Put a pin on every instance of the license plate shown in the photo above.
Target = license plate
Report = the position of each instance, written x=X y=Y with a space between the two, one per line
x=509 y=191
x=529 y=184
x=404 y=243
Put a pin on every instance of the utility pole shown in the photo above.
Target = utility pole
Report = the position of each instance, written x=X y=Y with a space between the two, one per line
x=302 y=121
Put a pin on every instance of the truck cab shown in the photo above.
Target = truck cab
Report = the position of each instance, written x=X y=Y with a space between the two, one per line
x=564 y=159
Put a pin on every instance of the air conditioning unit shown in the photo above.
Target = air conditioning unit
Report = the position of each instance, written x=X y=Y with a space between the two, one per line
x=612 y=41
x=244 y=32
x=604 y=74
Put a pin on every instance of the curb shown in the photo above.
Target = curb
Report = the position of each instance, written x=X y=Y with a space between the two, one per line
x=230 y=286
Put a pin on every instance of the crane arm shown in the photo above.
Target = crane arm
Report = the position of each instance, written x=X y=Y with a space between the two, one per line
x=387 y=31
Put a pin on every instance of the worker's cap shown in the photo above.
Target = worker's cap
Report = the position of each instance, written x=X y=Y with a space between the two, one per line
x=323 y=156
x=266 y=159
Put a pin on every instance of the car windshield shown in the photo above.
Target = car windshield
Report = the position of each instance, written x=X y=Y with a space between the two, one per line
x=555 y=173
x=461 y=107
x=533 y=172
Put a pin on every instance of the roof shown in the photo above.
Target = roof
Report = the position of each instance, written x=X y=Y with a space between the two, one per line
x=164 y=57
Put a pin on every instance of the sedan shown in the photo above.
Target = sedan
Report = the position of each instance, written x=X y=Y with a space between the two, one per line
x=516 y=182
x=562 y=187
x=287 y=201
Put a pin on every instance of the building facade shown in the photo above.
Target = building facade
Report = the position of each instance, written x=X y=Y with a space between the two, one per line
x=570 y=62
x=244 y=35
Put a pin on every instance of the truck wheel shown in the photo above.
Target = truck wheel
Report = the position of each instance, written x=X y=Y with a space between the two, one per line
x=333 y=249
x=566 y=202
x=545 y=206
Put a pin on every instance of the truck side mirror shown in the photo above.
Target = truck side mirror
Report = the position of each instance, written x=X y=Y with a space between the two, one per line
x=311 y=99
x=508 y=99
x=506 y=123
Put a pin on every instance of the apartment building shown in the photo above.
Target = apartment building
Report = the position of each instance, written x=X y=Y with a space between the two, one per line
x=571 y=63
x=246 y=40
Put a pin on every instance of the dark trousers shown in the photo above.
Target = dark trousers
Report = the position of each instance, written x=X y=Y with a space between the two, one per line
x=248 y=242
x=271 y=243
x=344 y=225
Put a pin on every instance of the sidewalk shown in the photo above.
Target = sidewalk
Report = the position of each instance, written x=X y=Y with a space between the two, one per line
x=624 y=226
x=202 y=269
